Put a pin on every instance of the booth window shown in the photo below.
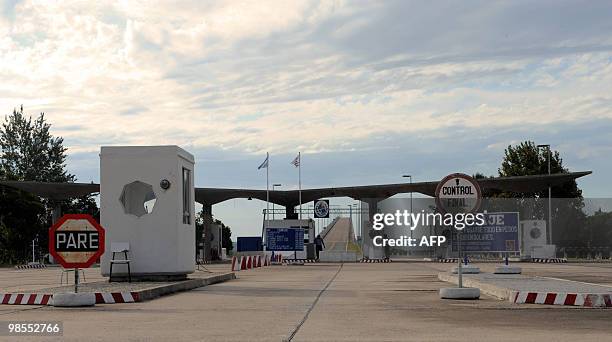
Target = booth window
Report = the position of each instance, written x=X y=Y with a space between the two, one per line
x=138 y=198
x=186 y=196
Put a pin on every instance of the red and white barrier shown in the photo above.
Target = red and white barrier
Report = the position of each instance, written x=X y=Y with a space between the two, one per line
x=277 y=258
x=24 y=298
x=246 y=262
x=554 y=298
x=235 y=264
x=116 y=297
x=47 y=299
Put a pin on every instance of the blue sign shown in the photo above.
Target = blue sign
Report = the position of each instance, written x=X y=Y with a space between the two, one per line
x=249 y=243
x=285 y=239
x=498 y=234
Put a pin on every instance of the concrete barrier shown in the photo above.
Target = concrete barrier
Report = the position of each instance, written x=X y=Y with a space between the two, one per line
x=491 y=290
x=460 y=293
x=467 y=269
x=71 y=299
x=115 y=297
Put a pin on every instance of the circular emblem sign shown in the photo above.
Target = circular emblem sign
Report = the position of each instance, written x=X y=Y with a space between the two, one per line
x=321 y=209
x=458 y=193
x=76 y=241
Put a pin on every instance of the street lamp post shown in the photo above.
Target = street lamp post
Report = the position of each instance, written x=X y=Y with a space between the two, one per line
x=274 y=187
x=410 y=176
x=547 y=147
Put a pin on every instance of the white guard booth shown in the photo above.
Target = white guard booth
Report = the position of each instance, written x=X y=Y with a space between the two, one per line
x=147 y=200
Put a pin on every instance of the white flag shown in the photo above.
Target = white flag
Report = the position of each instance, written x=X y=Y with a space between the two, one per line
x=296 y=161
x=265 y=163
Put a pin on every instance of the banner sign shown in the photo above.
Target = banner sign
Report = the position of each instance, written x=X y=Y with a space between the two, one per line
x=500 y=233
x=285 y=239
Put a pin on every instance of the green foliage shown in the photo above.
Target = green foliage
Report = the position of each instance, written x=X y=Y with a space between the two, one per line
x=22 y=218
x=568 y=219
x=527 y=159
x=226 y=231
x=599 y=229
x=28 y=152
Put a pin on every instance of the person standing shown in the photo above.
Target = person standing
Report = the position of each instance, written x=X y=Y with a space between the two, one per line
x=319 y=244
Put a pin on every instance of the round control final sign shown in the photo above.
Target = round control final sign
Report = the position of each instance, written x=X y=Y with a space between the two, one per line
x=76 y=241
x=458 y=193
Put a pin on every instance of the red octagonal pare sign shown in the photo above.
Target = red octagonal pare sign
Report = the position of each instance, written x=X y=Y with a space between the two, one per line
x=76 y=241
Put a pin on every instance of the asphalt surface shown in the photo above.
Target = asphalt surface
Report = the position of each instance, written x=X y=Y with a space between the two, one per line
x=325 y=302
x=339 y=235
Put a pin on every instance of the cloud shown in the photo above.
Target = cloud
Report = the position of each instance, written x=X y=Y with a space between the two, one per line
x=321 y=77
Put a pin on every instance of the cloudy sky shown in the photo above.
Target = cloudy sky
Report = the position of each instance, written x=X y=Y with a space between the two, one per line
x=368 y=91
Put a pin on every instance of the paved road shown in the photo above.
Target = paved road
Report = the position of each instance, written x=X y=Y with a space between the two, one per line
x=339 y=234
x=324 y=302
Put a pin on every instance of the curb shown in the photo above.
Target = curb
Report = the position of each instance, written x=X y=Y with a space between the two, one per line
x=592 y=300
x=25 y=298
x=549 y=260
x=596 y=300
x=491 y=290
x=119 y=297
x=448 y=260
x=25 y=267
x=374 y=260
x=293 y=261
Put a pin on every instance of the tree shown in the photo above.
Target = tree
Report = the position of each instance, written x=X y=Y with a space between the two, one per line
x=599 y=229
x=527 y=159
x=568 y=219
x=28 y=152
x=21 y=221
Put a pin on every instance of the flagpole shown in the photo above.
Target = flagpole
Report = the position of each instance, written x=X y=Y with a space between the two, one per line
x=267 y=186
x=300 y=181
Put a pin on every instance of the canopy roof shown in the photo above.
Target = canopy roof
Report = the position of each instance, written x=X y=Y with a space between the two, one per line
x=290 y=198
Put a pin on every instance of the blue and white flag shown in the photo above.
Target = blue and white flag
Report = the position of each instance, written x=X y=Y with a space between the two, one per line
x=296 y=161
x=265 y=162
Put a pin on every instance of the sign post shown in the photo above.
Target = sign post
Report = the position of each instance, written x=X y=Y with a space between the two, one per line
x=76 y=241
x=458 y=193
